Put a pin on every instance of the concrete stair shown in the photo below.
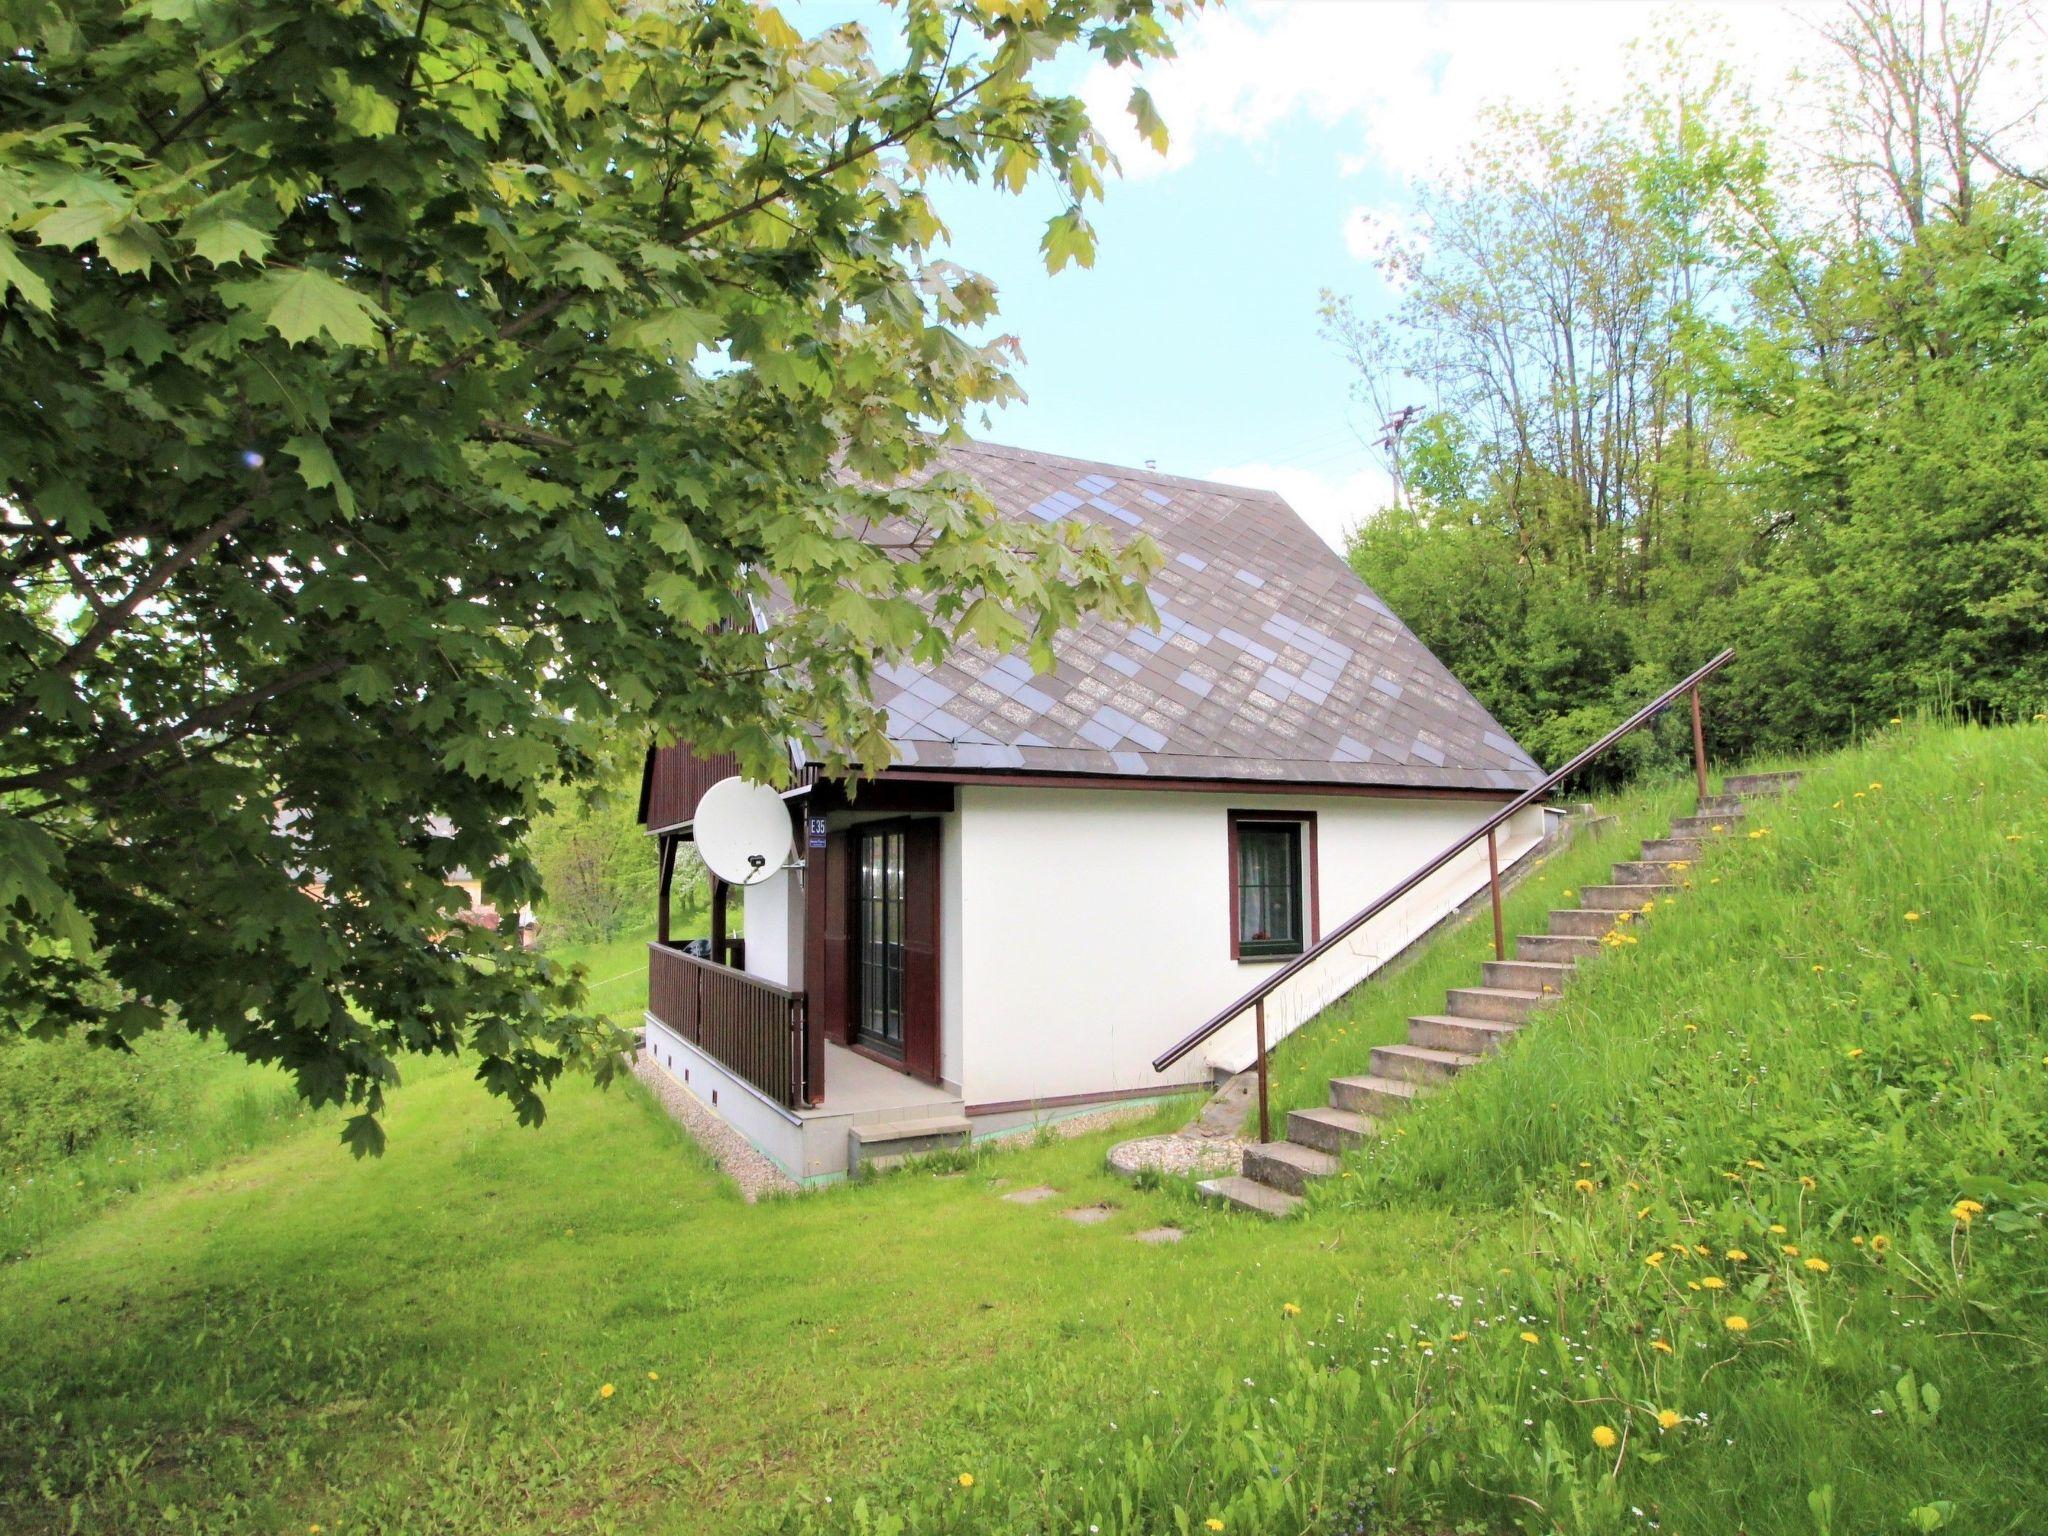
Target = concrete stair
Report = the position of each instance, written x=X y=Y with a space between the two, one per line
x=879 y=1145
x=1478 y=1021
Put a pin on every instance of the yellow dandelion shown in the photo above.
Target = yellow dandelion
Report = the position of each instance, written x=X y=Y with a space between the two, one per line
x=1661 y=1347
x=1667 y=1419
x=1857 y=1240
x=1583 y=1186
x=1777 y=1229
x=1854 y=1052
x=1818 y=969
x=1818 y=1266
x=966 y=1479
x=1289 y=1309
x=1912 y=917
x=1757 y=833
x=1880 y=1244
x=1807 y=1181
x=654 y=1375
x=1713 y=1283
x=1969 y=1205
x=1980 y=1018
x=1530 y=1338
x=1459 y=1338
x=1735 y=1323
x=1605 y=1438
x=1654 y=1259
x=1791 y=1249
x=1897 y=721
x=606 y=1390
x=1644 y=1212
x=1750 y=1162
x=1737 y=1255
x=1875 y=784
x=1212 y=1524
x=1703 y=1250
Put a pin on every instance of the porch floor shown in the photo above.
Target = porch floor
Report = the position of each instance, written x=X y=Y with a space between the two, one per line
x=857 y=1085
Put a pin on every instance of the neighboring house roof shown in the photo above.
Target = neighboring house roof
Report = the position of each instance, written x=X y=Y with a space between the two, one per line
x=1273 y=661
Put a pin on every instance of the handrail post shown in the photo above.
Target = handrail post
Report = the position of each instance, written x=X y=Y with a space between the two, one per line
x=1699 y=744
x=1259 y=1024
x=1500 y=945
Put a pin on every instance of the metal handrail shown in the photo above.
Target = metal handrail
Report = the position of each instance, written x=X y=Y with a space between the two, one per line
x=1256 y=998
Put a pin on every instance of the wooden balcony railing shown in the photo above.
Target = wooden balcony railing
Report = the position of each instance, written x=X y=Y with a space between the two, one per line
x=751 y=1026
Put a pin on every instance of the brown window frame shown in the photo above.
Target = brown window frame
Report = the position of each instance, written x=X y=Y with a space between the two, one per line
x=1311 y=881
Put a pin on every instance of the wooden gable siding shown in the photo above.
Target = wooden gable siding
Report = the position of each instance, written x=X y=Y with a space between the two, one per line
x=675 y=779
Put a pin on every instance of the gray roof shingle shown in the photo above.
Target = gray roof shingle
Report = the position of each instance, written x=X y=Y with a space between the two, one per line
x=1272 y=662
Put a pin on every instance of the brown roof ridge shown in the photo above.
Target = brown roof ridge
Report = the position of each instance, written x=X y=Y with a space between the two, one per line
x=1121 y=471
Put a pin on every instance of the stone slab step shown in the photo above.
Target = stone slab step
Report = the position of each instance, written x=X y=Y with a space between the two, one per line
x=1618 y=898
x=876 y=1145
x=1288 y=1165
x=1328 y=1129
x=1649 y=872
x=1706 y=825
x=1250 y=1195
x=1374 y=1095
x=1720 y=805
x=1673 y=849
x=1582 y=922
x=1539 y=976
x=1556 y=948
x=1448 y=1032
x=1499 y=1005
x=1418 y=1063
x=1760 y=783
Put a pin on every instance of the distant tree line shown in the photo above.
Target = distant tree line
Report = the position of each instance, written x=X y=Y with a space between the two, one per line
x=1679 y=389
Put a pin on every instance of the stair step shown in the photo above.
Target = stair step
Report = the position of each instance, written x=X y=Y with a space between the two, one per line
x=1649 y=872
x=1618 y=898
x=1720 y=805
x=1539 y=976
x=1448 y=1032
x=1760 y=783
x=1418 y=1063
x=1373 y=1095
x=1558 y=948
x=1582 y=922
x=1706 y=824
x=1288 y=1165
x=1678 y=849
x=1250 y=1195
x=1328 y=1129
x=1499 y=1005
x=884 y=1142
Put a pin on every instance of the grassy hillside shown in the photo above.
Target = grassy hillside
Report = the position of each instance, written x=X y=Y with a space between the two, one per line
x=1517 y=1313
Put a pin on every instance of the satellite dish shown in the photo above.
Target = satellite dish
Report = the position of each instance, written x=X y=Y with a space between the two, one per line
x=742 y=831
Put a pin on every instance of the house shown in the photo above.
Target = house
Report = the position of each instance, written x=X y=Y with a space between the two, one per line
x=1061 y=875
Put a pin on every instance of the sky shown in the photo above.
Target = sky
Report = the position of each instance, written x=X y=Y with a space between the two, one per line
x=1297 y=128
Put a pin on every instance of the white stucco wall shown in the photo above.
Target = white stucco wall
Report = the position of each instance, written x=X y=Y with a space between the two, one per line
x=1091 y=928
x=773 y=918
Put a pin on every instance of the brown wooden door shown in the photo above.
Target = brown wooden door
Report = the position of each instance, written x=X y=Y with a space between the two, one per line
x=891 y=944
x=921 y=949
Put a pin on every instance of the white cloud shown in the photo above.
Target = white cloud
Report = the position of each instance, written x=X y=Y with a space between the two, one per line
x=1332 y=503
x=1414 y=76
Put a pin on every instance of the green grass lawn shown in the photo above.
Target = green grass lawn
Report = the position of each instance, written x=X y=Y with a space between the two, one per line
x=615 y=973
x=1475 y=1331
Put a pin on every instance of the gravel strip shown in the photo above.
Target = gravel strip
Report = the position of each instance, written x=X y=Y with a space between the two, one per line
x=736 y=1157
x=1204 y=1156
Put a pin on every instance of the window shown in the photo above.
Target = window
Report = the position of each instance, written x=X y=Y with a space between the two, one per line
x=1272 y=884
x=878 y=1014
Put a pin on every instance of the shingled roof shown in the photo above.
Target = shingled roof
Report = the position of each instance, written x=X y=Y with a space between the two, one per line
x=1273 y=662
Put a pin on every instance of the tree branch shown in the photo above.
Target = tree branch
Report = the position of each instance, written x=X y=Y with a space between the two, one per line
x=199 y=720
x=113 y=620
